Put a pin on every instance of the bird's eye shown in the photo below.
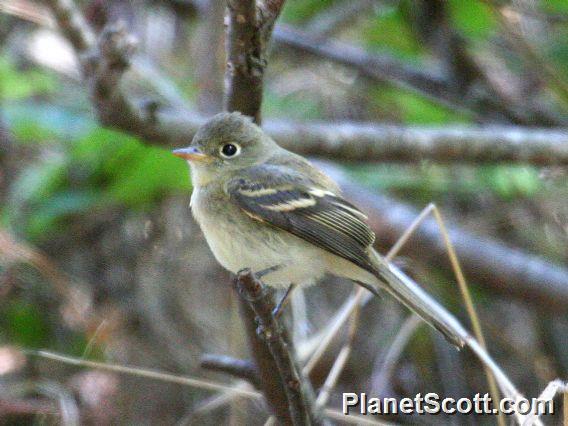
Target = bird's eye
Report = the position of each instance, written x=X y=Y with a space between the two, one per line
x=230 y=150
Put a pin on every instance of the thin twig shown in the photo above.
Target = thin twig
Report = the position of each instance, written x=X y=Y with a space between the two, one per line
x=488 y=262
x=382 y=68
x=210 y=404
x=187 y=381
x=333 y=376
x=392 y=355
x=565 y=404
x=353 y=419
x=204 y=384
x=324 y=339
x=242 y=369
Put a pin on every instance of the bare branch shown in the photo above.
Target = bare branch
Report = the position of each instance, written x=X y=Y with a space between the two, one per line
x=299 y=398
x=72 y=24
x=374 y=142
x=338 y=15
x=432 y=84
x=155 y=123
x=204 y=384
x=487 y=262
x=289 y=395
x=240 y=368
x=382 y=68
x=245 y=59
x=104 y=62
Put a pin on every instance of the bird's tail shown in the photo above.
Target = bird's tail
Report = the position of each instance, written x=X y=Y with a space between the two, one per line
x=410 y=294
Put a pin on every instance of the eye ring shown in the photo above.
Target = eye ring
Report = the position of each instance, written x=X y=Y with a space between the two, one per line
x=230 y=150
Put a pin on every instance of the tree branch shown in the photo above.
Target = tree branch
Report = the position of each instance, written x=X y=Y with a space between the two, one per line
x=72 y=24
x=244 y=67
x=271 y=332
x=383 y=68
x=239 y=368
x=103 y=62
x=289 y=395
x=376 y=142
x=487 y=262
x=106 y=62
x=434 y=85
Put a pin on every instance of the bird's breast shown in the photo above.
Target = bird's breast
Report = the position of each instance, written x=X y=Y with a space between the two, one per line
x=238 y=242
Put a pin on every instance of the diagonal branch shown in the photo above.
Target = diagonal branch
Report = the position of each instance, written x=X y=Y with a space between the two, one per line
x=383 y=68
x=257 y=296
x=72 y=24
x=105 y=62
x=487 y=262
x=434 y=85
x=240 y=368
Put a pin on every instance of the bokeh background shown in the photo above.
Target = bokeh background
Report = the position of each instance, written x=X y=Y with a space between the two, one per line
x=100 y=258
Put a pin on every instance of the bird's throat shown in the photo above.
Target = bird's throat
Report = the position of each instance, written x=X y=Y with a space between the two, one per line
x=201 y=176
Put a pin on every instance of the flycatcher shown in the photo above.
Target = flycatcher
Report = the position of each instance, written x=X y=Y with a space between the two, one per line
x=265 y=208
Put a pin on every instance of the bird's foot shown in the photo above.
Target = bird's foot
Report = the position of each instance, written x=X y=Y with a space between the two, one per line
x=267 y=271
x=277 y=311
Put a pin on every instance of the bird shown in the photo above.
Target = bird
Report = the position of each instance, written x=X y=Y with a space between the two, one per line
x=268 y=209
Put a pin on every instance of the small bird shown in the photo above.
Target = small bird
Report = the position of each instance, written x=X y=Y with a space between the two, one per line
x=265 y=208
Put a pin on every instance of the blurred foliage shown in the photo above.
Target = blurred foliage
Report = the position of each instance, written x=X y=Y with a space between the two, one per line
x=473 y=19
x=412 y=108
x=17 y=84
x=429 y=182
x=78 y=167
x=25 y=325
x=299 y=11
x=389 y=30
x=100 y=170
x=559 y=6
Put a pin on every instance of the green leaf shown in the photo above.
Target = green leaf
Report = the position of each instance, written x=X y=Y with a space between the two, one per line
x=151 y=173
x=413 y=108
x=299 y=11
x=390 y=31
x=17 y=84
x=473 y=18
x=49 y=215
x=25 y=325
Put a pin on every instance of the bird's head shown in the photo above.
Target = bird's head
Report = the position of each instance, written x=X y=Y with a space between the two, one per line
x=225 y=144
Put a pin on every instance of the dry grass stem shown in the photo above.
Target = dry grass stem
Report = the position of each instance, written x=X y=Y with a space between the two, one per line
x=333 y=376
x=150 y=374
x=237 y=390
x=395 y=350
x=468 y=301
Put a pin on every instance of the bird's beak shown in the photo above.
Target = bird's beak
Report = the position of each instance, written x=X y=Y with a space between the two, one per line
x=192 y=154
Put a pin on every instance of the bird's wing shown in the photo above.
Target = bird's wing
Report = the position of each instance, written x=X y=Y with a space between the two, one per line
x=314 y=214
